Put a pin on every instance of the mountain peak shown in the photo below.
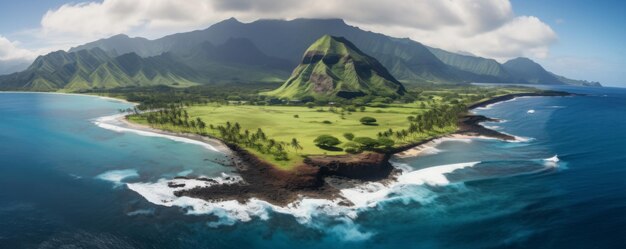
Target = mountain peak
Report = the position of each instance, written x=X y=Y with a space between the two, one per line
x=333 y=47
x=524 y=63
x=228 y=21
x=525 y=70
x=325 y=20
x=333 y=44
x=334 y=67
x=521 y=59
x=120 y=36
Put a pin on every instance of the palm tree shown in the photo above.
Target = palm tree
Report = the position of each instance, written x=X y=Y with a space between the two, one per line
x=200 y=123
x=295 y=144
x=270 y=144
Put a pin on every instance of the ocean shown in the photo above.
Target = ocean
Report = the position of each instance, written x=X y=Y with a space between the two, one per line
x=70 y=178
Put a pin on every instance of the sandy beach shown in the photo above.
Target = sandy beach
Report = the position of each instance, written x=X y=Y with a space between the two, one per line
x=76 y=94
x=119 y=123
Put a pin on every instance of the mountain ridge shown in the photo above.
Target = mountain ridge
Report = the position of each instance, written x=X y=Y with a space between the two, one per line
x=275 y=46
x=526 y=70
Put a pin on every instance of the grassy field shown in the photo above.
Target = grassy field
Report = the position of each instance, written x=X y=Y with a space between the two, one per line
x=283 y=123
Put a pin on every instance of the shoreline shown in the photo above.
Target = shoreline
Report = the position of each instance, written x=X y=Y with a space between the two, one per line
x=321 y=177
x=77 y=94
x=215 y=143
x=119 y=123
x=470 y=125
x=513 y=96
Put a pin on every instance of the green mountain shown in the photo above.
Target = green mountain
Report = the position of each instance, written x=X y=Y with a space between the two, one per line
x=524 y=70
x=334 y=67
x=568 y=81
x=489 y=69
x=236 y=60
x=122 y=44
x=95 y=68
x=409 y=61
x=263 y=50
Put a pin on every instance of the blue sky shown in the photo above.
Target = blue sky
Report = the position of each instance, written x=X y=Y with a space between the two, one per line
x=591 y=33
x=581 y=39
x=24 y=14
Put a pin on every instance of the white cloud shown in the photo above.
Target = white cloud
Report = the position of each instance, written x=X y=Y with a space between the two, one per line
x=11 y=51
x=486 y=28
x=97 y=19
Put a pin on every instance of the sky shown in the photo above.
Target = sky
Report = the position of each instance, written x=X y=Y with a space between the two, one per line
x=581 y=39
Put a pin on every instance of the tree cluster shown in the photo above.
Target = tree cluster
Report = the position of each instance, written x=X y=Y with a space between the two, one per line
x=232 y=133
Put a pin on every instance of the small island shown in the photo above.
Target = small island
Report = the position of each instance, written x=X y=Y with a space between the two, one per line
x=340 y=116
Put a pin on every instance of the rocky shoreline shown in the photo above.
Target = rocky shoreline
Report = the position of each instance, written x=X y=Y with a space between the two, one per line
x=324 y=176
x=508 y=97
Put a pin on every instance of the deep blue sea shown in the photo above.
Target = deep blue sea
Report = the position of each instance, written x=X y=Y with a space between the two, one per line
x=66 y=182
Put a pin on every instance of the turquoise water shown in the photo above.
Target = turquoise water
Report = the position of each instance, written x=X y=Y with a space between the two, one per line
x=63 y=182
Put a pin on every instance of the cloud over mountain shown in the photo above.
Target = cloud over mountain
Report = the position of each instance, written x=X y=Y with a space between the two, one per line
x=486 y=28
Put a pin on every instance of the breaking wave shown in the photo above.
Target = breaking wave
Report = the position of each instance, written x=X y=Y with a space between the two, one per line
x=117 y=176
x=411 y=185
x=489 y=106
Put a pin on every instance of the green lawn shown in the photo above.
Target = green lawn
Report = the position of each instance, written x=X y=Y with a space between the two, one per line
x=281 y=124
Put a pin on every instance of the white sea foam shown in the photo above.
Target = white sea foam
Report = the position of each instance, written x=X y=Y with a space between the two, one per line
x=367 y=195
x=531 y=111
x=117 y=176
x=315 y=213
x=552 y=162
x=520 y=139
x=492 y=127
x=307 y=211
x=185 y=172
x=115 y=100
x=489 y=106
x=137 y=212
x=430 y=148
x=112 y=123
x=516 y=139
x=433 y=175
x=326 y=215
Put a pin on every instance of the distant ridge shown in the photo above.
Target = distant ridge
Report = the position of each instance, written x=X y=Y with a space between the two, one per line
x=272 y=48
x=524 y=70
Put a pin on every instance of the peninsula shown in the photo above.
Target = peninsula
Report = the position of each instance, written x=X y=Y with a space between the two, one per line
x=339 y=118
